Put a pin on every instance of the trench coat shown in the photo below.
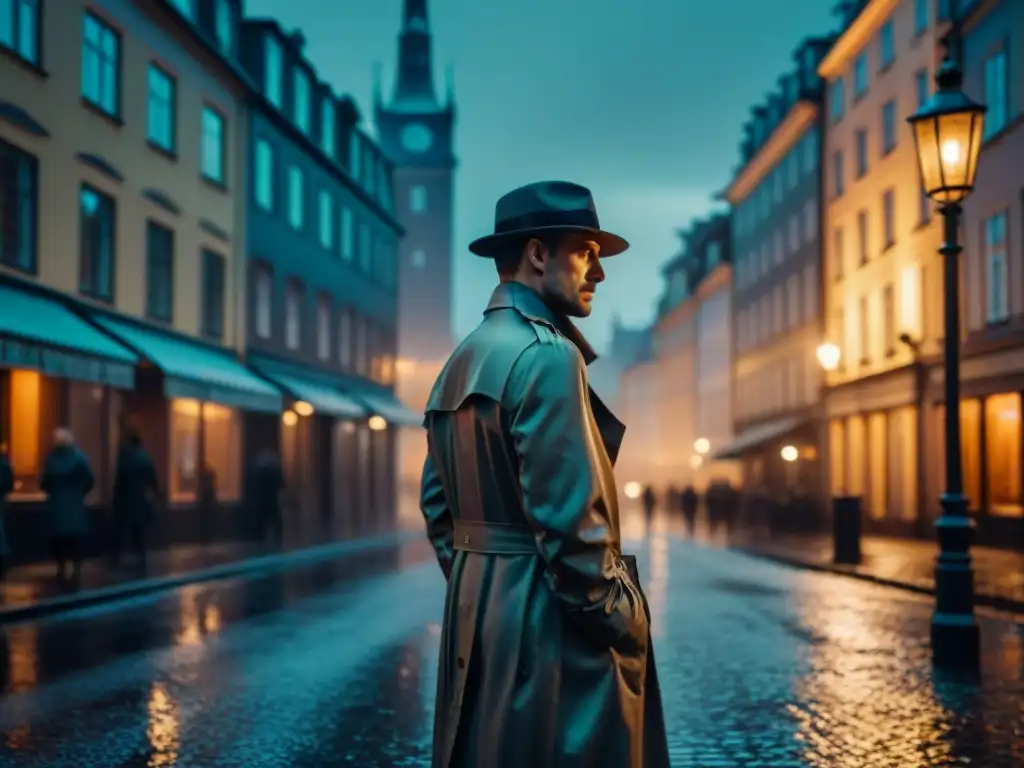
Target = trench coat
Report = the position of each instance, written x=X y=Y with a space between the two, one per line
x=546 y=657
x=67 y=480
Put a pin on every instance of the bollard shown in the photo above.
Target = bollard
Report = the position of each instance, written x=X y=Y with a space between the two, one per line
x=846 y=525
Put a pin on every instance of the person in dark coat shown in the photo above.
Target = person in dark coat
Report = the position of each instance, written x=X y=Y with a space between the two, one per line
x=649 y=501
x=266 y=484
x=689 y=502
x=6 y=487
x=136 y=490
x=67 y=479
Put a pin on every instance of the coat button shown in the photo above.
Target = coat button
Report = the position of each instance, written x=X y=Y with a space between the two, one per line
x=462 y=663
x=465 y=539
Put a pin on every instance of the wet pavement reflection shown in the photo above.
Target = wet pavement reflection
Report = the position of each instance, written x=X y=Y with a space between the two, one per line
x=335 y=664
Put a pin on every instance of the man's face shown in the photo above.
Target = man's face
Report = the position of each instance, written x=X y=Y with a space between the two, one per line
x=571 y=274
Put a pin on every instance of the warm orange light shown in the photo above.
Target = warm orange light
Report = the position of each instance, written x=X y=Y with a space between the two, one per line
x=377 y=423
x=303 y=408
x=828 y=356
x=25 y=400
x=289 y=418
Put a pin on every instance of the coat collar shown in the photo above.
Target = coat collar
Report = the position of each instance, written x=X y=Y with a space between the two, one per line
x=530 y=305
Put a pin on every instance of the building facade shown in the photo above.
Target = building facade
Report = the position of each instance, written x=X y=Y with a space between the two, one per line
x=636 y=392
x=776 y=235
x=992 y=373
x=123 y=145
x=417 y=131
x=322 y=289
x=883 y=278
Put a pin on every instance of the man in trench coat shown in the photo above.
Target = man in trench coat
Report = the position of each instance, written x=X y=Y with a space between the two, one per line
x=546 y=658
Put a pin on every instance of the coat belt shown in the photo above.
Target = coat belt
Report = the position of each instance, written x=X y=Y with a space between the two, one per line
x=494 y=538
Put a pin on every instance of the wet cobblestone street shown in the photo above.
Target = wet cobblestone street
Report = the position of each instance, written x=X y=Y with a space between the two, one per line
x=334 y=665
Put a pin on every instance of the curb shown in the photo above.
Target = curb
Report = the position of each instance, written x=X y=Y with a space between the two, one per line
x=996 y=602
x=279 y=561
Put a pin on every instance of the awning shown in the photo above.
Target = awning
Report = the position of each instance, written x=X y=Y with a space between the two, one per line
x=194 y=370
x=42 y=334
x=383 y=403
x=757 y=436
x=324 y=396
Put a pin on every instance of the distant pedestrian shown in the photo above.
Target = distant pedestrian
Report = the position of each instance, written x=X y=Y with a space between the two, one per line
x=6 y=487
x=689 y=502
x=67 y=479
x=649 y=502
x=136 y=491
x=266 y=487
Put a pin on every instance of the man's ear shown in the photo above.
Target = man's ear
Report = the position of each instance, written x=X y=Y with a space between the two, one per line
x=536 y=254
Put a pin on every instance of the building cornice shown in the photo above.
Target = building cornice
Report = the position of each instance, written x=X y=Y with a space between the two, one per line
x=855 y=37
x=802 y=115
x=716 y=280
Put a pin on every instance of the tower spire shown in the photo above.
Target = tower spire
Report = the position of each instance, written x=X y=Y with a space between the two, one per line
x=414 y=85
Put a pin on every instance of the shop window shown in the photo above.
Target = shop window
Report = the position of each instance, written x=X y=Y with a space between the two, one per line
x=970 y=449
x=877 y=466
x=855 y=455
x=902 y=456
x=1003 y=453
x=24 y=432
x=222 y=449
x=184 y=430
x=837 y=445
x=86 y=419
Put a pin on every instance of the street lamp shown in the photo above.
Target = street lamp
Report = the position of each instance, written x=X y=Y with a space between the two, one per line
x=789 y=453
x=947 y=133
x=701 y=445
x=828 y=356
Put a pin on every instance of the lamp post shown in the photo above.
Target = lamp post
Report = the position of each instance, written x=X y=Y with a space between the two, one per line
x=947 y=133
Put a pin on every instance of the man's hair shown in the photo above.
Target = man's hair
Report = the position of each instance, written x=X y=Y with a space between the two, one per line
x=509 y=255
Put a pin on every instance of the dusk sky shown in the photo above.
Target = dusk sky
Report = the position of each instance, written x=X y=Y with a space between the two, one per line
x=642 y=101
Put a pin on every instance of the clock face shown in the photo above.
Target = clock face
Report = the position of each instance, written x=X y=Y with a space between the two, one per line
x=416 y=137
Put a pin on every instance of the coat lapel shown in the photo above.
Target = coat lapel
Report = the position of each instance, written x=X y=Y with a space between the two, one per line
x=612 y=430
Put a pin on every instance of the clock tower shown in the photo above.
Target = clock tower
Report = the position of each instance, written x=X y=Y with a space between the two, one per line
x=416 y=131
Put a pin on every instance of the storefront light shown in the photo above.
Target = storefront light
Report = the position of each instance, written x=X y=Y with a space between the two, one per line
x=377 y=423
x=303 y=408
x=289 y=418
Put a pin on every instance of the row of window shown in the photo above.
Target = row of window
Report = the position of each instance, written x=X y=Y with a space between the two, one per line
x=362 y=347
x=842 y=257
x=295 y=97
x=335 y=224
x=872 y=324
x=802 y=227
x=801 y=161
x=786 y=385
x=785 y=309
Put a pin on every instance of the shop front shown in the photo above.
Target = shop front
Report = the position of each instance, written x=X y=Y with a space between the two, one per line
x=318 y=435
x=189 y=407
x=56 y=370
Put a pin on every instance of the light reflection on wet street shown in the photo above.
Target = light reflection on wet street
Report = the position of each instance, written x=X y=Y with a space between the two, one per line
x=334 y=664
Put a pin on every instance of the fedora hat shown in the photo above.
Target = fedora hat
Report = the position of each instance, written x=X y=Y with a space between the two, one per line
x=546 y=207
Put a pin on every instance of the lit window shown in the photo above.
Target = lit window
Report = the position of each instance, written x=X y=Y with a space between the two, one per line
x=326 y=222
x=161 y=108
x=347 y=234
x=296 y=198
x=996 y=93
x=101 y=65
x=264 y=175
x=213 y=148
x=224 y=23
x=1003 y=453
x=19 y=28
x=301 y=103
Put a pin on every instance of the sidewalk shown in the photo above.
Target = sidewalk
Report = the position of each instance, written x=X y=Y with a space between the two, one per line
x=31 y=591
x=905 y=563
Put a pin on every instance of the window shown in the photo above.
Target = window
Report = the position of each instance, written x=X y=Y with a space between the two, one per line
x=865 y=331
x=922 y=87
x=159 y=272
x=419 y=258
x=101 y=66
x=997 y=297
x=889 y=320
x=810 y=219
x=924 y=213
x=780 y=246
x=326 y=222
x=811 y=149
x=347 y=234
x=323 y=328
x=910 y=300
x=328 y=131
x=861 y=138
x=794 y=233
x=19 y=28
x=161 y=108
x=793 y=166
x=837 y=254
x=996 y=93
x=264 y=175
x=345 y=339
x=213 y=149
x=778 y=184
x=838 y=99
x=889 y=130
x=212 y=321
x=263 y=300
x=19 y=206
x=296 y=195
x=360 y=351
x=793 y=301
x=860 y=75
x=1003 y=453
x=888 y=219
x=222 y=446
x=273 y=69
x=862 y=236
x=364 y=247
x=186 y=7
x=810 y=291
x=300 y=104
x=224 y=25
x=355 y=160
x=293 y=316
x=838 y=183
x=97 y=246
x=713 y=255
x=185 y=459
x=418 y=199
x=920 y=16
x=886 y=46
